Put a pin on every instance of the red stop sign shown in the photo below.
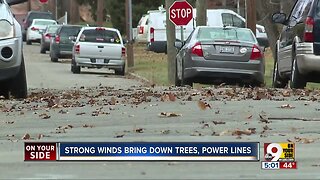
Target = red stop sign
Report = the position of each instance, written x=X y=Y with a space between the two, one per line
x=43 y=1
x=180 y=13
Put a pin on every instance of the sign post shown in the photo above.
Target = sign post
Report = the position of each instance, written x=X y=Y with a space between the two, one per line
x=180 y=14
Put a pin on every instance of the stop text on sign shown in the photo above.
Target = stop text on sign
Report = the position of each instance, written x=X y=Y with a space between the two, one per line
x=181 y=13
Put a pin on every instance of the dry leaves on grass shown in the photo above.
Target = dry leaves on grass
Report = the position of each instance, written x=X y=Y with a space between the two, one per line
x=169 y=114
x=204 y=105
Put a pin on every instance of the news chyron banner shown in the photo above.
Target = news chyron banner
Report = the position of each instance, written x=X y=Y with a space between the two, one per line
x=279 y=156
x=142 y=151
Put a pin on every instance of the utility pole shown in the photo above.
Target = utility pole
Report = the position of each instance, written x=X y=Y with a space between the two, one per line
x=201 y=18
x=100 y=15
x=130 y=56
x=251 y=15
x=171 y=50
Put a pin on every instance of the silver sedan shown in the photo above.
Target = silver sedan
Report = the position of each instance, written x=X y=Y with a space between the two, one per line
x=220 y=55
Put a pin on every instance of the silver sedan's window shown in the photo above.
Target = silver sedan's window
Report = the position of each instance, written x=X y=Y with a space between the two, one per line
x=213 y=34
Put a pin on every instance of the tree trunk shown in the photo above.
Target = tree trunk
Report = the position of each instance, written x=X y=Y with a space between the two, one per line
x=265 y=11
x=201 y=17
x=74 y=12
x=100 y=15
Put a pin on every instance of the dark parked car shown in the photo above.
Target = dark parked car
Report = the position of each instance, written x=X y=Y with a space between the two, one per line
x=220 y=55
x=31 y=16
x=297 y=54
x=61 y=45
x=46 y=38
x=12 y=68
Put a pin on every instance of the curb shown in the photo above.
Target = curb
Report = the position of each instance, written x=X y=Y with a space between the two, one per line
x=139 y=78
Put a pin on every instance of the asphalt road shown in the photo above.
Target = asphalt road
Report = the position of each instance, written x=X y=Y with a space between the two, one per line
x=103 y=107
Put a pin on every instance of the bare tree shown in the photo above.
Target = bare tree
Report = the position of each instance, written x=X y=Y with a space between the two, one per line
x=265 y=9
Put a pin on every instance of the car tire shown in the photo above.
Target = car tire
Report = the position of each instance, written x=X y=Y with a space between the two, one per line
x=297 y=80
x=177 y=81
x=29 y=42
x=277 y=81
x=42 y=50
x=74 y=68
x=4 y=91
x=120 y=72
x=18 y=84
x=185 y=81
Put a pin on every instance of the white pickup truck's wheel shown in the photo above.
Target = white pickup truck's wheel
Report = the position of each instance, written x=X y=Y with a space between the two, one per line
x=121 y=71
x=74 y=68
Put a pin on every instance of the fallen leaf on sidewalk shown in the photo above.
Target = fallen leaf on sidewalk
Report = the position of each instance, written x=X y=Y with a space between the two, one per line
x=172 y=97
x=119 y=136
x=250 y=116
x=203 y=105
x=287 y=106
x=169 y=114
x=87 y=126
x=264 y=118
x=40 y=136
x=26 y=137
x=239 y=132
x=80 y=114
x=44 y=116
x=304 y=140
x=165 y=132
x=218 y=122
x=9 y=122
x=139 y=130
x=286 y=93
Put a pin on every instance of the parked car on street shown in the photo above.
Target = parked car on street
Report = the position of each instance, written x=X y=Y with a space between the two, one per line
x=61 y=44
x=297 y=52
x=12 y=68
x=157 y=37
x=37 y=27
x=98 y=47
x=31 y=16
x=46 y=36
x=220 y=55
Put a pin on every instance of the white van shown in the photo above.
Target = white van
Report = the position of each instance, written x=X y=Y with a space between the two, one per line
x=157 y=38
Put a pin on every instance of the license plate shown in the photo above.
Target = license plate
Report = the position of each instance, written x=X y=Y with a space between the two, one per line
x=227 y=49
x=100 y=61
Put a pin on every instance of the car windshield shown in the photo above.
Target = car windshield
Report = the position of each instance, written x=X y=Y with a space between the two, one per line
x=100 y=36
x=44 y=23
x=70 y=31
x=214 y=34
x=52 y=29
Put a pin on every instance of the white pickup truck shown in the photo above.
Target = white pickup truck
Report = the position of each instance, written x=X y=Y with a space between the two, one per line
x=98 y=47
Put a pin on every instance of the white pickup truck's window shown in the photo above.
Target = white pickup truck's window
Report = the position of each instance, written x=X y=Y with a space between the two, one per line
x=100 y=36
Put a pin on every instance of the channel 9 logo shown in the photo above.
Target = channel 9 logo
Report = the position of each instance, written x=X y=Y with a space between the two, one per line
x=279 y=156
